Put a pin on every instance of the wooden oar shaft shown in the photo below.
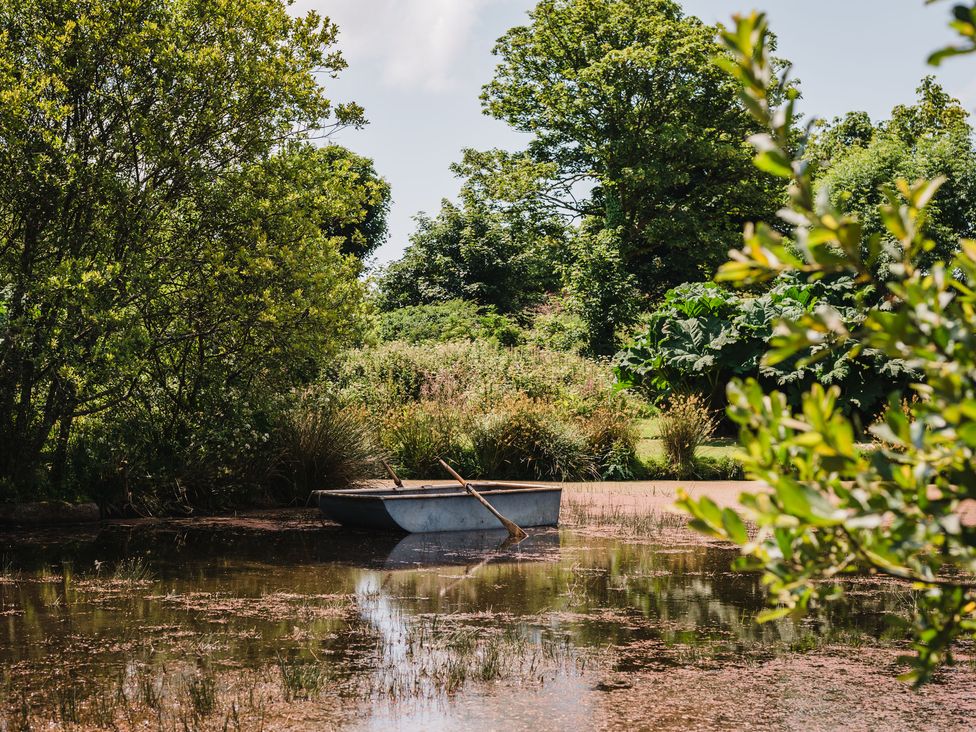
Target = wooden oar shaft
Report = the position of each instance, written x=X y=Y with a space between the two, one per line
x=396 y=480
x=513 y=529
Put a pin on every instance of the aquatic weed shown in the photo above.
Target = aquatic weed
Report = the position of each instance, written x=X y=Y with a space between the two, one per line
x=301 y=680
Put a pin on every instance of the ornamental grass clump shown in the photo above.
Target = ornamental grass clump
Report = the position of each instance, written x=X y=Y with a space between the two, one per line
x=321 y=442
x=418 y=434
x=685 y=425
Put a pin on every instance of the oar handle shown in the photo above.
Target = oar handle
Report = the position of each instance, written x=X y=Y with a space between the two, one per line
x=453 y=472
x=396 y=480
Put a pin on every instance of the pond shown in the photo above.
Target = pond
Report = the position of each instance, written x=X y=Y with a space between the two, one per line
x=187 y=625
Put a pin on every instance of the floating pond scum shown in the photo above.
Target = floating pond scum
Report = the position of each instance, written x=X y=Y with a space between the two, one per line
x=441 y=508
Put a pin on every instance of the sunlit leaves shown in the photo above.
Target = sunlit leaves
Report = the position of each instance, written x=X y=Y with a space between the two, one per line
x=831 y=509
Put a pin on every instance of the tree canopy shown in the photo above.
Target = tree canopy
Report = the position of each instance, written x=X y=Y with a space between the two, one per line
x=171 y=243
x=473 y=251
x=631 y=123
x=928 y=139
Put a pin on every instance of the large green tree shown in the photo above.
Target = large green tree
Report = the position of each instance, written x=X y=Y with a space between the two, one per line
x=472 y=250
x=631 y=123
x=928 y=139
x=160 y=237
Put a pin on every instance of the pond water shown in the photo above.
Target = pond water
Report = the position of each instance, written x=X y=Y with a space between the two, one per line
x=180 y=627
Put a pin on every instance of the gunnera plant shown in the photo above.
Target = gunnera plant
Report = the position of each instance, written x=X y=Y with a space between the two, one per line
x=684 y=426
x=322 y=443
x=527 y=439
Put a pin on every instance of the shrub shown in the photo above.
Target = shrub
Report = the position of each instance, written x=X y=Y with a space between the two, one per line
x=321 y=443
x=685 y=425
x=831 y=510
x=212 y=460
x=419 y=433
x=515 y=413
x=703 y=335
x=612 y=441
x=555 y=328
x=392 y=374
x=705 y=468
x=530 y=440
x=441 y=322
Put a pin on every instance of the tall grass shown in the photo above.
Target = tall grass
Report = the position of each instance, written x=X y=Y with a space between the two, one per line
x=685 y=425
x=496 y=412
x=322 y=443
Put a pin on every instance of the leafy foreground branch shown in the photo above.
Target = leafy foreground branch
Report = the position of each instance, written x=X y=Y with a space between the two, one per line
x=831 y=510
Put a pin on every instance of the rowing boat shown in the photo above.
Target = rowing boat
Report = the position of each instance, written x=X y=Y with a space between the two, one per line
x=441 y=508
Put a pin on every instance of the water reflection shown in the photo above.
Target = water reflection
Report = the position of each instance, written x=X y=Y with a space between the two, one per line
x=385 y=616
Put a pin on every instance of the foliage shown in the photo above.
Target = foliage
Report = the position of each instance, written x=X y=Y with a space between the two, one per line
x=171 y=250
x=684 y=426
x=360 y=222
x=419 y=433
x=830 y=510
x=599 y=288
x=319 y=442
x=611 y=439
x=929 y=139
x=392 y=374
x=703 y=335
x=623 y=102
x=495 y=411
x=704 y=468
x=555 y=327
x=528 y=439
x=453 y=320
x=472 y=252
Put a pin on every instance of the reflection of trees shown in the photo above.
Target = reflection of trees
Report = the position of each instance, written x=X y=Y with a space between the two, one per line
x=600 y=591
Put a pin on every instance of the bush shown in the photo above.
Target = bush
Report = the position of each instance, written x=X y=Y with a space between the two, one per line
x=685 y=425
x=612 y=441
x=526 y=439
x=703 y=335
x=555 y=328
x=454 y=320
x=212 y=460
x=517 y=413
x=417 y=434
x=321 y=443
x=483 y=373
x=705 y=468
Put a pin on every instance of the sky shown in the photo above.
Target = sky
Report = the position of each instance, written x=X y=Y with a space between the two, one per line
x=418 y=66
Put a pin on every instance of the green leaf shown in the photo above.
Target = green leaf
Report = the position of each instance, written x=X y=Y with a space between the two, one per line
x=734 y=527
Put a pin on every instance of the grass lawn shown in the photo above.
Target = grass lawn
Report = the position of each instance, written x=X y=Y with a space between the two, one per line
x=649 y=445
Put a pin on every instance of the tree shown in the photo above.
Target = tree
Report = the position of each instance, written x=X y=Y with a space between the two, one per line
x=929 y=139
x=632 y=124
x=364 y=232
x=599 y=288
x=832 y=510
x=474 y=252
x=156 y=240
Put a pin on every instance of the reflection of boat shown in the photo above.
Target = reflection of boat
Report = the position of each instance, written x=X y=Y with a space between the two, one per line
x=459 y=548
x=442 y=508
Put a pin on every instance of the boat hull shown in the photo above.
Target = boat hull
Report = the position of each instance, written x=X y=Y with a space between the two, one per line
x=442 y=508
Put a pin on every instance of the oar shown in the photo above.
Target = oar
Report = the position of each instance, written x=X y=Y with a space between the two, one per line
x=396 y=480
x=513 y=529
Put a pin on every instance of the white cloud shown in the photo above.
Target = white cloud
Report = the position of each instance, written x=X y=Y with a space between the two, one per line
x=412 y=43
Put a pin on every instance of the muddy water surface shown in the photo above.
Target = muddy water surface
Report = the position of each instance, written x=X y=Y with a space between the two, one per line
x=610 y=623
